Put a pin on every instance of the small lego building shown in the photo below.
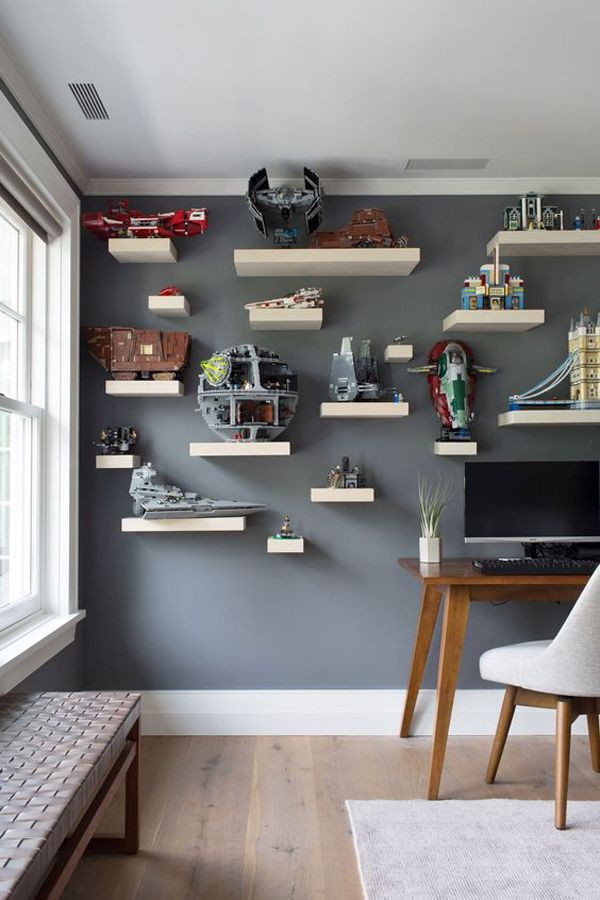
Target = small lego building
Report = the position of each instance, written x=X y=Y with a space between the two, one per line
x=494 y=288
x=530 y=213
x=116 y=440
x=345 y=477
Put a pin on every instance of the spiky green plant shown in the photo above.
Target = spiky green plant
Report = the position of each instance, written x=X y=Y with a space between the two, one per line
x=433 y=497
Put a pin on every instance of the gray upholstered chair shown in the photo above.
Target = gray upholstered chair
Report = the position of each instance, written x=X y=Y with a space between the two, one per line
x=563 y=674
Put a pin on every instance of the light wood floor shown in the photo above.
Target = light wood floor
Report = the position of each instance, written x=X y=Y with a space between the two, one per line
x=264 y=819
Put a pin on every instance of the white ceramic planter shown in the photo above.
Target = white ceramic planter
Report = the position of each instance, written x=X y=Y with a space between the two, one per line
x=430 y=550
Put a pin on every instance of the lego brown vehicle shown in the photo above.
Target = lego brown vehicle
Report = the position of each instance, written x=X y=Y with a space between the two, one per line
x=366 y=228
x=130 y=353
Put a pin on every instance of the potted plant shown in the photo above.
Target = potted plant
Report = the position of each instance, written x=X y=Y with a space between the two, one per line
x=433 y=498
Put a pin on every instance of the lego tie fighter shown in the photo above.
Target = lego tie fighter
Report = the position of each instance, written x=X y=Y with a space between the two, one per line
x=286 y=201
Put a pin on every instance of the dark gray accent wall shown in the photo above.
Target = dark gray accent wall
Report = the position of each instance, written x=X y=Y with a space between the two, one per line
x=63 y=672
x=214 y=611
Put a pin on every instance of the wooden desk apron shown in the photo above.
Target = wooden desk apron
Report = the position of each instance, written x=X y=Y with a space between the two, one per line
x=461 y=584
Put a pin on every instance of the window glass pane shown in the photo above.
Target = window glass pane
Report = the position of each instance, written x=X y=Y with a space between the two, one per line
x=9 y=263
x=9 y=353
x=16 y=520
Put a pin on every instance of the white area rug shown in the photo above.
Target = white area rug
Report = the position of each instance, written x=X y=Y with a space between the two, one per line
x=462 y=849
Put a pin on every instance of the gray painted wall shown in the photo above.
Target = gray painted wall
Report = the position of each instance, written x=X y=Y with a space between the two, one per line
x=214 y=611
x=63 y=672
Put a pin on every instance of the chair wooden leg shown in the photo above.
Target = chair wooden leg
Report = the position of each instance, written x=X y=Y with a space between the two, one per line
x=564 y=717
x=594 y=735
x=504 y=722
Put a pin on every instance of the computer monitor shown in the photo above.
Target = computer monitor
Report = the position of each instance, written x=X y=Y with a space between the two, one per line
x=532 y=502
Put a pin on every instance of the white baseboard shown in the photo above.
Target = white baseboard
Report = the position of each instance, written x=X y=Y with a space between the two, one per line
x=368 y=712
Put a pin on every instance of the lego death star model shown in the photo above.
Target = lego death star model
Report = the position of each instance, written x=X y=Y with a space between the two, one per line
x=247 y=393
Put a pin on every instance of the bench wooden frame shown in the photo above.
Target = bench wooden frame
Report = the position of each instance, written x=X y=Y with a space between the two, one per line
x=82 y=839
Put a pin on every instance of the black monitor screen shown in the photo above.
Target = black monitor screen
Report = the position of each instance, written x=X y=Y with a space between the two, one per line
x=532 y=501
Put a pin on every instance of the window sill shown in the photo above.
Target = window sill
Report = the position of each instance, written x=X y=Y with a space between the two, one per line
x=29 y=645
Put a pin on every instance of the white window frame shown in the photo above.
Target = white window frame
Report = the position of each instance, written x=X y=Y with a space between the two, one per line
x=29 y=384
x=28 y=644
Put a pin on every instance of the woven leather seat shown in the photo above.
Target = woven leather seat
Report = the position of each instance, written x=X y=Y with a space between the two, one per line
x=55 y=751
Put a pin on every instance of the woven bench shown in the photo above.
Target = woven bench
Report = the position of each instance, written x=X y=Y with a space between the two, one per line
x=62 y=758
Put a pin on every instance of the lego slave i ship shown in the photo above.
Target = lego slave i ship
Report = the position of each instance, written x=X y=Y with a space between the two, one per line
x=247 y=393
x=451 y=374
x=303 y=298
x=152 y=500
x=581 y=367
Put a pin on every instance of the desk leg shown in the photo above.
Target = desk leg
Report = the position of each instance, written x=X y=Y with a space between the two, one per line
x=456 y=614
x=430 y=605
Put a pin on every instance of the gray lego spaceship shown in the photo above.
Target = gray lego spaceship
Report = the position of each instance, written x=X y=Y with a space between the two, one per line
x=247 y=393
x=285 y=201
x=354 y=377
x=165 y=501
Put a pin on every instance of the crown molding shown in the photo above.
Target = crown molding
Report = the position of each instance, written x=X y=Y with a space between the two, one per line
x=40 y=121
x=365 y=187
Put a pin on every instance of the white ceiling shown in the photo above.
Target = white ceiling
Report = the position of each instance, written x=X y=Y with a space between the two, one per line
x=201 y=89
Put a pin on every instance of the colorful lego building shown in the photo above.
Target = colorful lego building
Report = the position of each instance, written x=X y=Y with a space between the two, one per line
x=531 y=213
x=494 y=288
x=584 y=349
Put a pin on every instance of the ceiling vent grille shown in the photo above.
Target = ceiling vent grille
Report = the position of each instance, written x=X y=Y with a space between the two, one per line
x=446 y=164
x=89 y=100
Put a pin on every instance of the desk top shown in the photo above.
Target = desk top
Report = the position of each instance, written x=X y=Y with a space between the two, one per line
x=462 y=571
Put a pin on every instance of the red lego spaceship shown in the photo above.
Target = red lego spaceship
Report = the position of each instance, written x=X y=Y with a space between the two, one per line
x=122 y=222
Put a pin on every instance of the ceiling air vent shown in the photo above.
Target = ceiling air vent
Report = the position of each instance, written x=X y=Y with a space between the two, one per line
x=433 y=164
x=89 y=100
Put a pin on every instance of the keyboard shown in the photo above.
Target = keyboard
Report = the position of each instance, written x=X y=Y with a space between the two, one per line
x=526 y=565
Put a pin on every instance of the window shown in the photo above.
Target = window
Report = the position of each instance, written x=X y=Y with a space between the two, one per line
x=39 y=344
x=21 y=420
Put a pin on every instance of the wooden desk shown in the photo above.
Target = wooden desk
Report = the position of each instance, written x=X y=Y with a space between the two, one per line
x=461 y=584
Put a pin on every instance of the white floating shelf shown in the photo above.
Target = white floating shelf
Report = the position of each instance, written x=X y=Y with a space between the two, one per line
x=296 y=262
x=286 y=319
x=364 y=410
x=545 y=243
x=241 y=448
x=143 y=250
x=398 y=353
x=342 y=495
x=550 y=417
x=285 y=545
x=455 y=448
x=494 y=320
x=221 y=523
x=172 y=306
x=117 y=461
x=145 y=388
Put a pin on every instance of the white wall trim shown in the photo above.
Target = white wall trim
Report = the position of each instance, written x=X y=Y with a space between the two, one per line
x=407 y=186
x=342 y=712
